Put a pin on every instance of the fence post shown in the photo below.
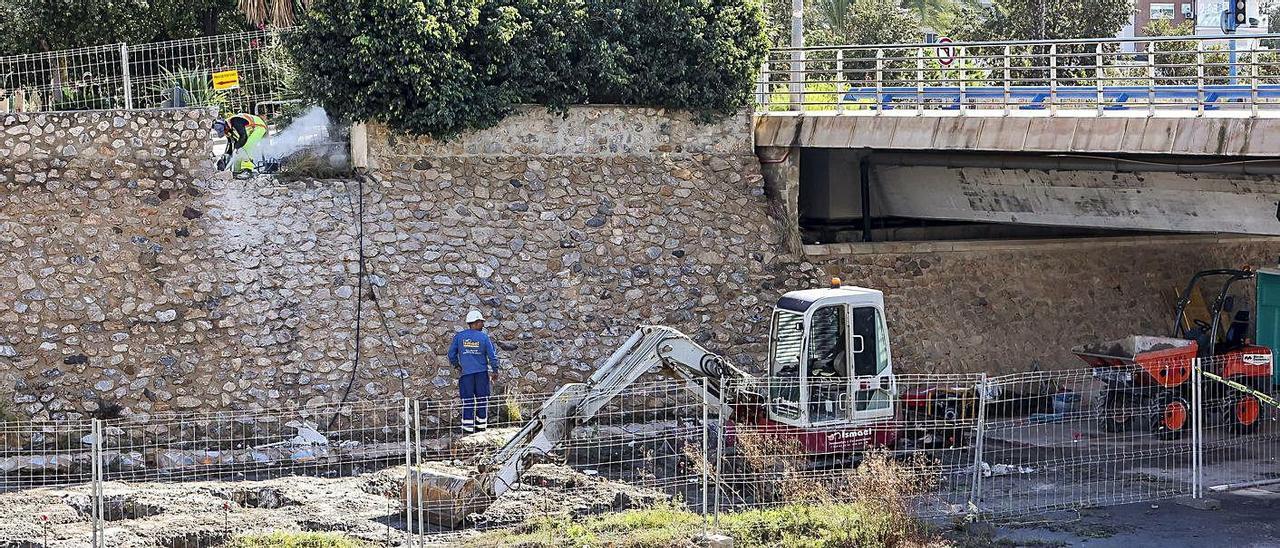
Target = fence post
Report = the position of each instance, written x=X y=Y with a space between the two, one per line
x=840 y=81
x=1053 y=79
x=721 y=439
x=879 y=80
x=1007 y=97
x=961 y=77
x=1151 y=78
x=417 y=458
x=95 y=452
x=919 y=81
x=1253 y=79
x=975 y=493
x=1199 y=78
x=124 y=71
x=1197 y=429
x=706 y=451
x=410 y=490
x=1097 y=77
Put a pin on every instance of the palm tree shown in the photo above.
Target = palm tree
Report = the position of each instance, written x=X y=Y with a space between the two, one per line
x=277 y=13
x=937 y=14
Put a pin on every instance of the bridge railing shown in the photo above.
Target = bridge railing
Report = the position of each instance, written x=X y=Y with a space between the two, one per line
x=1182 y=75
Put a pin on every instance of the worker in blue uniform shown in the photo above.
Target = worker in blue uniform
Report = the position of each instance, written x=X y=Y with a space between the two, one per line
x=475 y=356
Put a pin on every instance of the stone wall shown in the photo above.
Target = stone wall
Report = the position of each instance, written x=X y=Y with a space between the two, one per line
x=134 y=279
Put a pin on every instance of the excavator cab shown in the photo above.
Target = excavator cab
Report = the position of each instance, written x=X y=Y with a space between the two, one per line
x=829 y=360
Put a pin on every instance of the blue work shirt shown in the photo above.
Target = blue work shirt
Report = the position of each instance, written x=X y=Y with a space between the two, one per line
x=473 y=352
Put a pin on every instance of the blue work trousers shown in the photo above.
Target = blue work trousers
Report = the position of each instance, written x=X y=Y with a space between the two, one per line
x=474 y=389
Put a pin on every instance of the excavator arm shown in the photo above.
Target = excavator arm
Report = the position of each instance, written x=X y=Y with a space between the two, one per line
x=650 y=347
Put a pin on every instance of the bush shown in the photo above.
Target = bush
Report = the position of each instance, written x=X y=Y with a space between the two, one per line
x=440 y=67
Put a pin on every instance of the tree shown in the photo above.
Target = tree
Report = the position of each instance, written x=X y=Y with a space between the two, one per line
x=28 y=26
x=1041 y=20
x=937 y=14
x=837 y=22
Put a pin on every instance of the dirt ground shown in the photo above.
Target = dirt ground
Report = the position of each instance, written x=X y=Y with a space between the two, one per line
x=200 y=514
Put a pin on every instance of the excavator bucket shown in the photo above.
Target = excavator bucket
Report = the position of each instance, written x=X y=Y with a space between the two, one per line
x=444 y=495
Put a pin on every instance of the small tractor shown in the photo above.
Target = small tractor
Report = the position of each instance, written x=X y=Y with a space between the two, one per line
x=829 y=387
x=1149 y=376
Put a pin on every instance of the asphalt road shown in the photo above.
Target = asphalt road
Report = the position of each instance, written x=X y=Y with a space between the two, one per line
x=1247 y=518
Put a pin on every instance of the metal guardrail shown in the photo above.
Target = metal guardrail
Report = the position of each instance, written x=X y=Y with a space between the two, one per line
x=1179 y=75
x=144 y=76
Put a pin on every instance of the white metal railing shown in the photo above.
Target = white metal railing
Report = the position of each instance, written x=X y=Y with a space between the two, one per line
x=145 y=76
x=1192 y=75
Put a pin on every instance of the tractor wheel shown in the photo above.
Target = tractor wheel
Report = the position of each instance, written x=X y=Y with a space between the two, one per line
x=1170 y=416
x=1241 y=412
x=1111 y=410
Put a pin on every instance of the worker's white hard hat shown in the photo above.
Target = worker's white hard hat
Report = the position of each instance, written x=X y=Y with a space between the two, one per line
x=474 y=316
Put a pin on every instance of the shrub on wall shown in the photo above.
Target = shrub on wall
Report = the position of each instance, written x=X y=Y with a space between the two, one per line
x=700 y=55
x=439 y=67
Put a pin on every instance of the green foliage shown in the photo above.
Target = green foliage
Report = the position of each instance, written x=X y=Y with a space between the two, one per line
x=284 y=539
x=839 y=22
x=1039 y=20
x=44 y=25
x=87 y=97
x=439 y=67
x=790 y=525
x=699 y=55
x=196 y=84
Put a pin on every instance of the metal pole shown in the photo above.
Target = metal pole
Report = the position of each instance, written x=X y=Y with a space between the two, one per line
x=1195 y=427
x=1053 y=79
x=1199 y=78
x=417 y=454
x=706 y=450
x=879 y=80
x=1097 y=77
x=1231 y=61
x=975 y=495
x=124 y=71
x=797 y=55
x=1007 y=98
x=919 y=81
x=414 y=494
x=1151 y=78
x=960 y=77
x=99 y=531
x=1253 y=78
x=841 y=84
x=864 y=174
x=722 y=439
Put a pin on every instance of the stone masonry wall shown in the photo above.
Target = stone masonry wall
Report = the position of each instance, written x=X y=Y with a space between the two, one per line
x=135 y=279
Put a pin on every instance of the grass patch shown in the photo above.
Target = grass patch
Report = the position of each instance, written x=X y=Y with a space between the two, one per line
x=790 y=525
x=294 y=539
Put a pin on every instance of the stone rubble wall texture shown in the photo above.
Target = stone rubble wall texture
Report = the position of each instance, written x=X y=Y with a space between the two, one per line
x=133 y=278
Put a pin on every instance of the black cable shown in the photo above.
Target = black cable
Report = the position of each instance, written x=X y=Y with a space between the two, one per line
x=360 y=283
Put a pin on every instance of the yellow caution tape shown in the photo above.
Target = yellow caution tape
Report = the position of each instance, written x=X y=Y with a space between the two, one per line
x=1233 y=384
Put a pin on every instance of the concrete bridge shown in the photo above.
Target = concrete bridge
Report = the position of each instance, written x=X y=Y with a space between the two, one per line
x=1170 y=135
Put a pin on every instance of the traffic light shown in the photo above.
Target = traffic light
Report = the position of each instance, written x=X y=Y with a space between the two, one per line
x=1236 y=16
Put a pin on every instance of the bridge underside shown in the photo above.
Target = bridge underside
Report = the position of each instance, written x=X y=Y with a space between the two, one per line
x=1081 y=190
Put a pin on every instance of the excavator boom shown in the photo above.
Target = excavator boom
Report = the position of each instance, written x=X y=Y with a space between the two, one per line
x=450 y=496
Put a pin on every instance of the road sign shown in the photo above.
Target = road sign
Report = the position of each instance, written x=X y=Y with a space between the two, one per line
x=227 y=79
x=946 y=54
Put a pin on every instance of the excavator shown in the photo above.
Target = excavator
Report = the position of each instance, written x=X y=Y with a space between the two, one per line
x=829 y=385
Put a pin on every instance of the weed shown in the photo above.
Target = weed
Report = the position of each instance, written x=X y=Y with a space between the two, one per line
x=295 y=539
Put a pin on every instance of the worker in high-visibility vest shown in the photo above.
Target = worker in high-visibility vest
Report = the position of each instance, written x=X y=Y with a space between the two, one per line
x=242 y=131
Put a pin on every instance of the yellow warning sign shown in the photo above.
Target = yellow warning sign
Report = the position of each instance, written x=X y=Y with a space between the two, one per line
x=227 y=79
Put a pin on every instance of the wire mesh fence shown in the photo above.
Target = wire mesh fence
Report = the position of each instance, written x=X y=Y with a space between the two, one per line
x=938 y=446
x=243 y=72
